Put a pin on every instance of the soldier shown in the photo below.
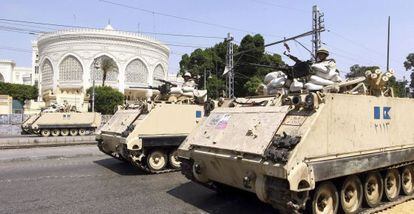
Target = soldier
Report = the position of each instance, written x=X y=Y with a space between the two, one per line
x=188 y=81
x=322 y=55
x=325 y=68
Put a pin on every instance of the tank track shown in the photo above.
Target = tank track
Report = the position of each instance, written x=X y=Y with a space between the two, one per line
x=114 y=156
x=280 y=197
x=387 y=205
x=145 y=168
x=139 y=165
x=187 y=169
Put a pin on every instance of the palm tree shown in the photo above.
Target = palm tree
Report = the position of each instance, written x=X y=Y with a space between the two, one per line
x=106 y=65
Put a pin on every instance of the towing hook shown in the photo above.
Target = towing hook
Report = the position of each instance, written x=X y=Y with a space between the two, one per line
x=197 y=168
x=248 y=180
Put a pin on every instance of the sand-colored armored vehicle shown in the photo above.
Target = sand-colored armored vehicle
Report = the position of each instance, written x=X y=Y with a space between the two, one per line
x=62 y=121
x=148 y=133
x=339 y=149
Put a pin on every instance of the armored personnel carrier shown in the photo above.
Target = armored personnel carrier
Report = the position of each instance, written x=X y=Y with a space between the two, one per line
x=344 y=148
x=62 y=121
x=148 y=133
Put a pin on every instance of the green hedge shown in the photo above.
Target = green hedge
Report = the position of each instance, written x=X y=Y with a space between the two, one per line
x=18 y=91
x=106 y=99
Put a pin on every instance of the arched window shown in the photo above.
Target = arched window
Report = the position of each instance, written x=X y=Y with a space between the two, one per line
x=70 y=69
x=158 y=74
x=1 y=78
x=47 y=74
x=104 y=62
x=136 y=72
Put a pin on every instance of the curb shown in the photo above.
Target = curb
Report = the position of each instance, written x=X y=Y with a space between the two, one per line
x=50 y=157
x=26 y=146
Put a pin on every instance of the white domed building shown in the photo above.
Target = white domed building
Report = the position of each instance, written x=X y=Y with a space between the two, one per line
x=69 y=60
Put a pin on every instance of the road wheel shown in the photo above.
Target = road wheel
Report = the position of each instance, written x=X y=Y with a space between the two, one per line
x=392 y=184
x=55 y=132
x=82 y=132
x=73 y=132
x=351 y=194
x=173 y=159
x=45 y=132
x=64 y=132
x=325 y=199
x=407 y=180
x=373 y=189
x=157 y=160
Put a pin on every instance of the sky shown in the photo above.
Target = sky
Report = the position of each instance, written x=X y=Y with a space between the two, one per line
x=356 y=31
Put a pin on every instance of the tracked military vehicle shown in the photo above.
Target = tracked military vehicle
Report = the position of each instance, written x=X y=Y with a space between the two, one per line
x=344 y=148
x=62 y=121
x=148 y=133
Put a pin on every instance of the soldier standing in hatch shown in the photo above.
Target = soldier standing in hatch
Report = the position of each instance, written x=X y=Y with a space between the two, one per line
x=326 y=68
x=322 y=59
x=188 y=81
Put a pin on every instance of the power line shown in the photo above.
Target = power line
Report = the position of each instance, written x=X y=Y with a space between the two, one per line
x=357 y=44
x=26 y=25
x=182 y=35
x=41 y=23
x=351 y=54
x=279 y=6
x=184 y=45
x=18 y=31
x=33 y=23
x=15 y=49
x=173 y=16
x=181 y=18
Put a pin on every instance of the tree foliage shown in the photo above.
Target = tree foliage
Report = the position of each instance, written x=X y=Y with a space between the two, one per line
x=409 y=66
x=18 y=91
x=359 y=71
x=399 y=87
x=247 y=56
x=106 y=65
x=106 y=99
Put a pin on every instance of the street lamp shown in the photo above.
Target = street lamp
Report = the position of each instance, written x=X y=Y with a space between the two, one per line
x=96 y=66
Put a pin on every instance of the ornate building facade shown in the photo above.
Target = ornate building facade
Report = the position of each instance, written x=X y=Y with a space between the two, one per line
x=10 y=73
x=69 y=61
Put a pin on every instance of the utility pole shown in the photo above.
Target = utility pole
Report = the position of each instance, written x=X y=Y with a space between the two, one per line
x=205 y=80
x=388 y=43
x=229 y=67
x=318 y=26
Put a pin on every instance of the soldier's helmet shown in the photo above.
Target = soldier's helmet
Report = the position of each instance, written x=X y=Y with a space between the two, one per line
x=187 y=74
x=323 y=50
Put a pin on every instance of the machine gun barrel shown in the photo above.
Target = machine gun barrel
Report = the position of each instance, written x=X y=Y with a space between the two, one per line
x=166 y=82
x=145 y=87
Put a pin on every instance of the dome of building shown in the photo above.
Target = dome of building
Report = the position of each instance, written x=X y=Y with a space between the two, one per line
x=69 y=61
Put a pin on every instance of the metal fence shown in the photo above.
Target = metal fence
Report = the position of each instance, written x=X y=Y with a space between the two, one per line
x=12 y=119
x=17 y=119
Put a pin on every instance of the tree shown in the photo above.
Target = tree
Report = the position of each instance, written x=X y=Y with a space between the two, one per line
x=18 y=91
x=246 y=57
x=106 y=65
x=359 y=71
x=106 y=99
x=215 y=87
x=398 y=87
x=409 y=66
x=209 y=61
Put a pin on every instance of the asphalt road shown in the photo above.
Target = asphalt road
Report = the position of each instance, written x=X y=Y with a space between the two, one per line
x=79 y=179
